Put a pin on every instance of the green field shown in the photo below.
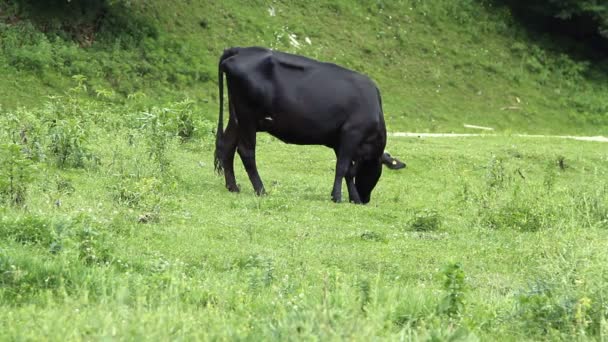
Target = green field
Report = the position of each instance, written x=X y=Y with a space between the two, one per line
x=129 y=246
x=114 y=225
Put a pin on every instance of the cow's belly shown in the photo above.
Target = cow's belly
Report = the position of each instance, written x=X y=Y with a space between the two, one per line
x=301 y=132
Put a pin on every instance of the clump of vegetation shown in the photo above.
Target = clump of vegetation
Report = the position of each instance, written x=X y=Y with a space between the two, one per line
x=28 y=229
x=16 y=175
x=453 y=304
x=547 y=309
x=592 y=206
x=517 y=214
x=426 y=220
x=68 y=139
x=94 y=247
x=132 y=192
x=372 y=236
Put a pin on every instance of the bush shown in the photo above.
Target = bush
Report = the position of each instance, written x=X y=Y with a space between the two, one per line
x=16 y=174
x=68 y=138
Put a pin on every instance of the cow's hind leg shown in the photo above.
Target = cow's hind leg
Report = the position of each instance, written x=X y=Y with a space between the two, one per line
x=345 y=154
x=227 y=155
x=353 y=193
x=246 y=150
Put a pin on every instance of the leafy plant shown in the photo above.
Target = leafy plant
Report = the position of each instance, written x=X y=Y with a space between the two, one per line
x=68 y=139
x=16 y=174
x=453 y=304
x=93 y=246
x=155 y=125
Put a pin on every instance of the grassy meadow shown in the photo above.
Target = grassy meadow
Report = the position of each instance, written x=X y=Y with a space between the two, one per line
x=121 y=228
x=114 y=225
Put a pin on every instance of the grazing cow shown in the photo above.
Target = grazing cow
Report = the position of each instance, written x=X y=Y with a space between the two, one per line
x=300 y=101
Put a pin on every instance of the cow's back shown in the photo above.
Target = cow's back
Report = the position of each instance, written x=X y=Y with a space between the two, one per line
x=301 y=100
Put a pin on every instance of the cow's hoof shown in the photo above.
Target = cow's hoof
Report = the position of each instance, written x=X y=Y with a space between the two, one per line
x=336 y=199
x=234 y=188
x=261 y=192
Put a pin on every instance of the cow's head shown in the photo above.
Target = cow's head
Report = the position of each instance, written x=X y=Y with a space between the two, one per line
x=368 y=173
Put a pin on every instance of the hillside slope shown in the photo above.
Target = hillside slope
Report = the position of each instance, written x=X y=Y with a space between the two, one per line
x=439 y=64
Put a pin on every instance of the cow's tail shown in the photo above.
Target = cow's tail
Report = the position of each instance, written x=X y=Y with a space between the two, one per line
x=219 y=134
x=382 y=123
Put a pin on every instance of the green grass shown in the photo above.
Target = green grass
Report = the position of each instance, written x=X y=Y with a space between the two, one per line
x=113 y=220
x=439 y=64
x=127 y=245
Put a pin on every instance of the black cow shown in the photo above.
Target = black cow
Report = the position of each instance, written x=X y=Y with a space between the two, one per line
x=300 y=101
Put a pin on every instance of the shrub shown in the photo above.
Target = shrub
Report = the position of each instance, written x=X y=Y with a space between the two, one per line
x=68 y=138
x=16 y=174
x=157 y=130
x=24 y=129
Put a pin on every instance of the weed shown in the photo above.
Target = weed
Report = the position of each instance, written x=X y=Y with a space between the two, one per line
x=131 y=192
x=23 y=128
x=496 y=175
x=156 y=128
x=525 y=217
x=561 y=163
x=93 y=244
x=365 y=295
x=183 y=116
x=453 y=304
x=64 y=185
x=16 y=174
x=412 y=312
x=545 y=309
x=550 y=177
x=372 y=236
x=426 y=220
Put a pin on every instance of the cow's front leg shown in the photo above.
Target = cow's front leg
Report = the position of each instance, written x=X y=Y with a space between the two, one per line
x=342 y=165
x=246 y=150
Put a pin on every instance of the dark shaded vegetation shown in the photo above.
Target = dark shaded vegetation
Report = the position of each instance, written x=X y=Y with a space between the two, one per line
x=83 y=21
x=579 y=27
